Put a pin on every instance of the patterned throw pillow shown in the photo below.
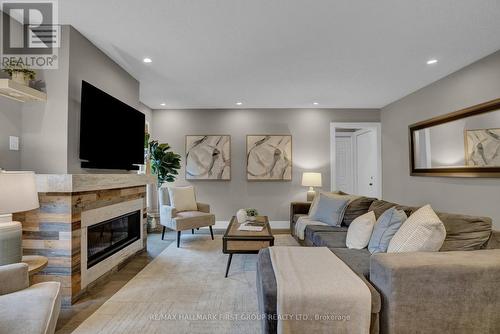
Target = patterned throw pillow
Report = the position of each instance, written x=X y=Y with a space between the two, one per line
x=386 y=227
x=423 y=231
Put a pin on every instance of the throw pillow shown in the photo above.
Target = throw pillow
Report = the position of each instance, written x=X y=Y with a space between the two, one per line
x=314 y=203
x=386 y=227
x=357 y=207
x=329 y=209
x=423 y=231
x=182 y=198
x=360 y=231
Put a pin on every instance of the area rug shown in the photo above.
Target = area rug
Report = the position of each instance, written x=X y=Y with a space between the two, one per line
x=184 y=291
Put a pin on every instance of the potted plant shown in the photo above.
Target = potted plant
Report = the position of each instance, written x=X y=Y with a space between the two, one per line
x=164 y=163
x=252 y=214
x=19 y=73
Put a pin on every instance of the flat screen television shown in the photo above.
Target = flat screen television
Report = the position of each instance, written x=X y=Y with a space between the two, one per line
x=111 y=132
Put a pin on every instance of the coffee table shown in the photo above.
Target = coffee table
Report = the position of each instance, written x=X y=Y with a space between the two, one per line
x=245 y=242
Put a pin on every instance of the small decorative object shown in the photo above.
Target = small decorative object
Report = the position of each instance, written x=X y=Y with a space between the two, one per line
x=208 y=157
x=19 y=73
x=252 y=214
x=241 y=216
x=482 y=147
x=311 y=180
x=164 y=163
x=269 y=158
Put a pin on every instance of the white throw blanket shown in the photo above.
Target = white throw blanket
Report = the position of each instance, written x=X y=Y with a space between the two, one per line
x=300 y=226
x=318 y=293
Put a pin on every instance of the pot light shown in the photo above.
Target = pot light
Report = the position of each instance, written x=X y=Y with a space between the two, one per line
x=432 y=61
x=315 y=103
x=147 y=60
x=239 y=103
x=163 y=104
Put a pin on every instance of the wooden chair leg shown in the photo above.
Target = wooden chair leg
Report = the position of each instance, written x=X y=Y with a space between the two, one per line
x=192 y=231
x=163 y=233
x=211 y=232
x=178 y=238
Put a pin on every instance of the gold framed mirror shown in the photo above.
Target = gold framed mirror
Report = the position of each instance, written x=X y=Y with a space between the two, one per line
x=464 y=143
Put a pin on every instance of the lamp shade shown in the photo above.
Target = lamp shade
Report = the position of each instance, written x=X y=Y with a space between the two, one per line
x=311 y=179
x=17 y=192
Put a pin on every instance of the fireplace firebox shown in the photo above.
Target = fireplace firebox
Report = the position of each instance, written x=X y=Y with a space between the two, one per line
x=108 y=237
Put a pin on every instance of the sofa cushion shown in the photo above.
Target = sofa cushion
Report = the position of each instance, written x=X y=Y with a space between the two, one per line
x=330 y=240
x=386 y=227
x=182 y=198
x=311 y=230
x=357 y=259
x=465 y=232
x=423 y=231
x=357 y=207
x=380 y=206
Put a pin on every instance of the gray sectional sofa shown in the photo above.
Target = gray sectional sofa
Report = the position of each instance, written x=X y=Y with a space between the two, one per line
x=455 y=290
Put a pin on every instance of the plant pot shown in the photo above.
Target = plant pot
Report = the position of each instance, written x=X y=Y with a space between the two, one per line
x=20 y=78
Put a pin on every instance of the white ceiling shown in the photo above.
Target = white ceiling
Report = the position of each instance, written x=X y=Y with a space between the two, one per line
x=286 y=53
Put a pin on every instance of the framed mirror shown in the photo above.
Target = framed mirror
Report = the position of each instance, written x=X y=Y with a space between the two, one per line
x=465 y=143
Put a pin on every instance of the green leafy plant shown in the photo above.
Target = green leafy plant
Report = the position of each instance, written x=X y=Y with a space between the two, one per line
x=164 y=163
x=12 y=67
x=252 y=212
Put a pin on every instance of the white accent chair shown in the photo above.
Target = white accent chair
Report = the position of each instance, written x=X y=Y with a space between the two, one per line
x=24 y=308
x=183 y=220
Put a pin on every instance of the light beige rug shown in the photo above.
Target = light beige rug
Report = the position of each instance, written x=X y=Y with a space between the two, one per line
x=184 y=291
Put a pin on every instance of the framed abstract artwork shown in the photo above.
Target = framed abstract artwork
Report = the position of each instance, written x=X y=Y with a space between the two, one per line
x=269 y=157
x=208 y=157
x=482 y=147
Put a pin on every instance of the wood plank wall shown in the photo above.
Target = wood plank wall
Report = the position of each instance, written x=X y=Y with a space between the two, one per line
x=54 y=231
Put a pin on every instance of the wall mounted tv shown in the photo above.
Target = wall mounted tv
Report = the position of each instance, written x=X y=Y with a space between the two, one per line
x=111 y=132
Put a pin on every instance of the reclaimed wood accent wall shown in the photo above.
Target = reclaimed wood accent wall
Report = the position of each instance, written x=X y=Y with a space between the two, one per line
x=54 y=231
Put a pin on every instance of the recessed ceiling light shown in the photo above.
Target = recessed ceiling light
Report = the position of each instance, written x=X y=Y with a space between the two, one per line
x=315 y=103
x=239 y=103
x=163 y=104
x=147 y=60
x=432 y=61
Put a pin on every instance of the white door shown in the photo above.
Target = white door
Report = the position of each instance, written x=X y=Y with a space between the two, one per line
x=366 y=163
x=344 y=164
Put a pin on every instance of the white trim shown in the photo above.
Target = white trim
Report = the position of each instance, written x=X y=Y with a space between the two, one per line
x=95 y=216
x=375 y=126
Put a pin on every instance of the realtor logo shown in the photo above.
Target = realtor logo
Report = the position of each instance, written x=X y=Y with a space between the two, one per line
x=30 y=33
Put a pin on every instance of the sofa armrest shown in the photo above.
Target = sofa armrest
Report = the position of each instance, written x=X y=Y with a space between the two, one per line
x=297 y=208
x=438 y=292
x=203 y=207
x=13 y=277
x=494 y=241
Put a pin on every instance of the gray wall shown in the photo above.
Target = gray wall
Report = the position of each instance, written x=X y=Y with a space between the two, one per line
x=476 y=83
x=10 y=125
x=87 y=62
x=49 y=131
x=311 y=152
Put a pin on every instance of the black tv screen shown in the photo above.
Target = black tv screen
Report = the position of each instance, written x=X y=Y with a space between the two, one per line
x=111 y=132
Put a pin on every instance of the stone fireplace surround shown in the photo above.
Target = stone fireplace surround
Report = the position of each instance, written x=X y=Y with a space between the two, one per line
x=55 y=229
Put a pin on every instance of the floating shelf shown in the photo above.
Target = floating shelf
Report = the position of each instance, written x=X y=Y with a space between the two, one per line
x=21 y=93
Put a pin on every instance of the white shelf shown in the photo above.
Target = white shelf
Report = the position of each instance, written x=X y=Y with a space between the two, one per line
x=21 y=93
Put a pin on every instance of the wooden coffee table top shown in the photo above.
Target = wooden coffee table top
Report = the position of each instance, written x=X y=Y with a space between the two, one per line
x=232 y=231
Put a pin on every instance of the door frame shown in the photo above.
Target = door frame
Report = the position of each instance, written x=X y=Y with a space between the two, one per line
x=375 y=126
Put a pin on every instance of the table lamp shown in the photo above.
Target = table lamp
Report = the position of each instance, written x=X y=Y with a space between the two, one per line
x=311 y=180
x=17 y=194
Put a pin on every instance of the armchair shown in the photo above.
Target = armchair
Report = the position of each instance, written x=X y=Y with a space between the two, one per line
x=24 y=308
x=183 y=220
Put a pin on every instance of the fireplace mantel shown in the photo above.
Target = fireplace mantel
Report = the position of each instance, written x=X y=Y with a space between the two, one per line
x=72 y=183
